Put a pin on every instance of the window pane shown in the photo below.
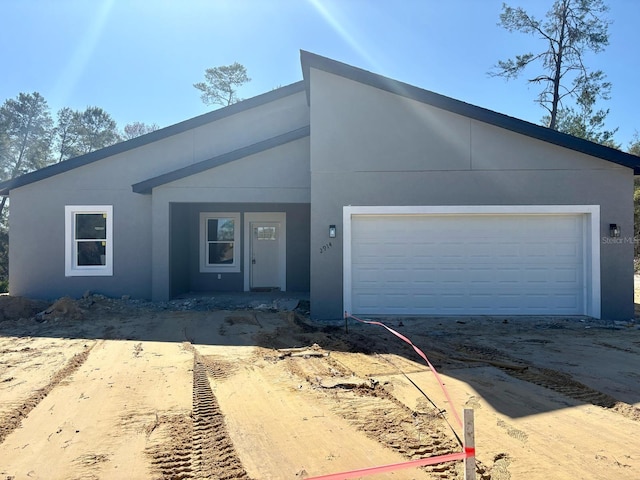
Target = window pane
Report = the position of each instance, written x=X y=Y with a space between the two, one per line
x=220 y=253
x=266 y=233
x=91 y=225
x=220 y=229
x=92 y=253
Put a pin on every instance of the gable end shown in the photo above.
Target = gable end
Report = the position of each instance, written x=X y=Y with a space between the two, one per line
x=146 y=186
x=309 y=60
x=137 y=142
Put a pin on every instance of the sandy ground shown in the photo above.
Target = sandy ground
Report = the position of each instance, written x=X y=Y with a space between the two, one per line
x=101 y=389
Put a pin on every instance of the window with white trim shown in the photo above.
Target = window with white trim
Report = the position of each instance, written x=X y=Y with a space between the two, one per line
x=88 y=240
x=219 y=242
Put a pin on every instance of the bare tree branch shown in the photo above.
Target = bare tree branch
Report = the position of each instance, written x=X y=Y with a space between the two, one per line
x=571 y=29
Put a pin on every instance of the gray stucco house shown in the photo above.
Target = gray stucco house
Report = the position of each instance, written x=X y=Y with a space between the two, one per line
x=375 y=196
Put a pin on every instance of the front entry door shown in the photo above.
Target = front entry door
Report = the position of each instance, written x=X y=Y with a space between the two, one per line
x=265 y=255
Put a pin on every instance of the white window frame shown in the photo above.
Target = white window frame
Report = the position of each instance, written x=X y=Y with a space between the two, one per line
x=71 y=267
x=229 y=268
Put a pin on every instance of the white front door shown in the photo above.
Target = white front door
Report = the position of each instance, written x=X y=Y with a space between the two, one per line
x=265 y=254
x=265 y=250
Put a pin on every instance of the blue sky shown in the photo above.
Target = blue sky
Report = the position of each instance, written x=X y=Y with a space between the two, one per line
x=138 y=59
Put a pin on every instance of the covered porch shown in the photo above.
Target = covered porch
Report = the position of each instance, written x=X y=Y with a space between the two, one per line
x=238 y=247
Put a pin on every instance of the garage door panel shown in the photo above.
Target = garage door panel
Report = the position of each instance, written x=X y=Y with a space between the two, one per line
x=422 y=250
x=466 y=264
x=451 y=275
x=368 y=301
x=567 y=276
x=536 y=250
x=483 y=250
x=507 y=275
x=536 y=302
x=536 y=275
x=482 y=302
x=480 y=274
x=567 y=251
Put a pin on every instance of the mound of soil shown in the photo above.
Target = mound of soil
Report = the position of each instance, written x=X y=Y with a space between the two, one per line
x=64 y=307
x=15 y=308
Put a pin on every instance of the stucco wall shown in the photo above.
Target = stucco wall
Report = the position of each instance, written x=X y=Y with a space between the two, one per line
x=186 y=223
x=36 y=242
x=179 y=219
x=276 y=176
x=371 y=147
x=37 y=209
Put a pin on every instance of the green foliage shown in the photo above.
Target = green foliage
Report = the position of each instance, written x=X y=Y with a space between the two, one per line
x=97 y=130
x=585 y=123
x=26 y=126
x=220 y=85
x=137 y=129
x=571 y=29
x=29 y=141
x=81 y=132
x=25 y=139
x=65 y=134
x=634 y=146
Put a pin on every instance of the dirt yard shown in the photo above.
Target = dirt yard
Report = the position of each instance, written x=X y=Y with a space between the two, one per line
x=118 y=389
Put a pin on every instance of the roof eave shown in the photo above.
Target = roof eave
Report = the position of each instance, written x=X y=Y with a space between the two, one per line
x=146 y=187
x=310 y=60
x=72 y=163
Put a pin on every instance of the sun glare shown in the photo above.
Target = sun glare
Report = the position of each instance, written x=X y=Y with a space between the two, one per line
x=85 y=48
x=333 y=21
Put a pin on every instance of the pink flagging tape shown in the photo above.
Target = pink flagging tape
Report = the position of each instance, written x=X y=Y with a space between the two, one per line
x=421 y=353
x=395 y=466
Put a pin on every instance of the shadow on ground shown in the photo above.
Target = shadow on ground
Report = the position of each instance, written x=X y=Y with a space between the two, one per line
x=587 y=361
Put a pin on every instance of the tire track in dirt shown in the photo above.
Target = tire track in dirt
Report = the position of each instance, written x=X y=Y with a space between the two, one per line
x=198 y=446
x=617 y=347
x=171 y=459
x=376 y=412
x=371 y=408
x=552 y=379
x=386 y=420
x=214 y=455
x=13 y=418
x=216 y=368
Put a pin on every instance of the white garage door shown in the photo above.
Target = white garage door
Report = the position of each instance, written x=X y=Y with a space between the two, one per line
x=468 y=264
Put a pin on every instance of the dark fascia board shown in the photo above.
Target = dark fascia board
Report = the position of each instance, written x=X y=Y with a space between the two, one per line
x=160 y=134
x=310 y=60
x=147 y=186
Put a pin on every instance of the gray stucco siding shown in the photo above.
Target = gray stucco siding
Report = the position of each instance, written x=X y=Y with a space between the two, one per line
x=37 y=248
x=405 y=156
x=225 y=135
x=250 y=126
x=37 y=243
x=611 y=192
x=179 y=244
x=282 y=171
x=186 y=255
x=361 y=128
x=493 y=148
x=353 y=123
x=276 y=176
x=122 y=170
x=362 y=140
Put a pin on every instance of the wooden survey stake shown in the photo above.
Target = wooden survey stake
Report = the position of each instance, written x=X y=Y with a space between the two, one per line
x=469 y=445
